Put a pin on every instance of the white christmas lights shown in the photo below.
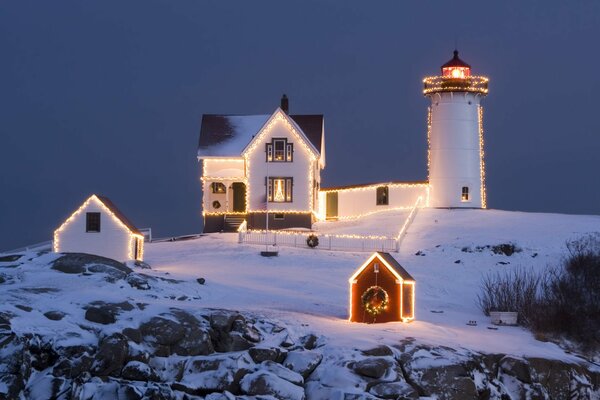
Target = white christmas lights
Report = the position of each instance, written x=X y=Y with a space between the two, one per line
x=482 y=161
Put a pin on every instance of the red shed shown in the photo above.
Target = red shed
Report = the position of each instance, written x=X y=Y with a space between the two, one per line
x=381 y=290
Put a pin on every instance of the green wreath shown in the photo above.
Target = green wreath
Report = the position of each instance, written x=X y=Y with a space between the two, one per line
x=375 y=300
x=312 y=241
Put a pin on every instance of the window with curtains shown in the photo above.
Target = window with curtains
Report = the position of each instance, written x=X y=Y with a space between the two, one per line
x=280 y=190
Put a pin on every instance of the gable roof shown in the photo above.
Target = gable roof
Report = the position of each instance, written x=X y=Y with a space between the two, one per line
x=118 y=214
x=112 y=208
x=224 y=135
x=390 y=263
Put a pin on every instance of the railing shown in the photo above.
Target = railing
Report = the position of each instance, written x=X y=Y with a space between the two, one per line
x=325 y=241
x=42 y=246
x=475 y=84
x=407 y=223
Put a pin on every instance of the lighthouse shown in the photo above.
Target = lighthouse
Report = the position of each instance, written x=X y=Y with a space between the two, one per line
x=455 y=136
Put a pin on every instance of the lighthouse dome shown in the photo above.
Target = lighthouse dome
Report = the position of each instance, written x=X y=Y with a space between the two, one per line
x=456 y=68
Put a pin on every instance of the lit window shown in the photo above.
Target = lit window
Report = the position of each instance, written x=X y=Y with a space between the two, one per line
x=218 y=187
x=92 y=222
x=279 y=190
x=279 y=150
x=465 y=194
x=382 y=196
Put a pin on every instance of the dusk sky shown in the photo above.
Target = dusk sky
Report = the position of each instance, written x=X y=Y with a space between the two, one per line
x=106 y=97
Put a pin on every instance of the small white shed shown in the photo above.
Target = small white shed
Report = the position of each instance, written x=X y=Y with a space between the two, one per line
x=98 y=227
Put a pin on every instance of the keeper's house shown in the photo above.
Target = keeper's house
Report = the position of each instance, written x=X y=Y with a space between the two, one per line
x=252 y=164
x=381 y=290
x=98 y=227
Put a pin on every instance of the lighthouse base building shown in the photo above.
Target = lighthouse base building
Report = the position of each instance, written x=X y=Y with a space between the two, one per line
x=264 y=171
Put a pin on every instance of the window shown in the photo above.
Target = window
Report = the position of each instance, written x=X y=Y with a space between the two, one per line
x=465 y=194
x=279 y=150
x=92 y=222
x=279 y=190
x=279 y=216
x=382 y=196
x=218 y=187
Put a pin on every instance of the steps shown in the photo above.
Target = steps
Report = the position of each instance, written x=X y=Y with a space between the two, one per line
x=232 y=222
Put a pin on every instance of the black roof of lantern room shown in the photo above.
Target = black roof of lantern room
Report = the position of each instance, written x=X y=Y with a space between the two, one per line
x=456 y=62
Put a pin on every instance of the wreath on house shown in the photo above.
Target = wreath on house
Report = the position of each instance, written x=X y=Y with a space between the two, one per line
x=312 y=241
x=375 y=300
x=216 y=204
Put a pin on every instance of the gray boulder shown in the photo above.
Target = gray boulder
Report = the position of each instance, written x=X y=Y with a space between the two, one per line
x=111 y=355
x=138 y=371
x=161 y=330
x=303 y=362
x=517 y=368
x=54 y=315
x=259 y=354
x=394 y=390
x=372 y=367
x=265 y=383
x=379 y=351
x=282 y=372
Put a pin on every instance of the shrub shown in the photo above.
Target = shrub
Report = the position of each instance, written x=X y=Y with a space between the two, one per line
x=569 y=301
x=510 y=291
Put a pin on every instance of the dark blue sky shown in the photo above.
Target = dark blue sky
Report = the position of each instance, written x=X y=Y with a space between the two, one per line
x=107 y=96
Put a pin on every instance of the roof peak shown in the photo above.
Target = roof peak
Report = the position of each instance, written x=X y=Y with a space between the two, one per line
x=456 y=62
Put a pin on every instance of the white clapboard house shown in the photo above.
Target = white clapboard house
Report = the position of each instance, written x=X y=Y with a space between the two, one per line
x=259 y=166
x=255 y=163
x=98 y=227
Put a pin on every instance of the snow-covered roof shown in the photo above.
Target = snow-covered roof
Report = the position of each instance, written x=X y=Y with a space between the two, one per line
x=228 y=135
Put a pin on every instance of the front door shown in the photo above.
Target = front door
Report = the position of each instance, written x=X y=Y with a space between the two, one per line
x=332 y=205
x=239 y=197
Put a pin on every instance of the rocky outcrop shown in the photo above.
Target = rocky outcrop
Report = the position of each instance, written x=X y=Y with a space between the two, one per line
x=224 y=355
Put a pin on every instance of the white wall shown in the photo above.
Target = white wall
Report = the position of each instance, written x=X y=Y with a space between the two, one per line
x=299 y=169
x=112 y=241
x=223 y=168
x=359 y=201
x=454 y=144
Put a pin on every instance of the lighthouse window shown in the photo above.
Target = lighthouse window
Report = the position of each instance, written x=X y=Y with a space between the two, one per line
x=382 y=196
x=465 y=193
x=218 y=187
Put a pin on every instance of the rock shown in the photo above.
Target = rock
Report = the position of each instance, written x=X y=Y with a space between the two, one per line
x=77 y=263
x=135 y=335
x=372 y=367
x=138 y=282
x=10 y=257
x=201 y=281
x=248 y=332
x=220 y=396
x=264 y=354
x=379 y=351
x=46 y=387
x=394 y=390
x=100 y=315
x=111 y=355
x=24 y=308
x=309 y=341
x=554 y=375
x=54 y=315
x=105 y=313
x=222 y=320
x=196 y=338
x=517 y=368
x=42 y=354
x=162 y=331
x=72 y=368
x=138 y=371
x=265 y=383
x=302 y=362
x=282 y=372
x=213 y=374
x=448 y=383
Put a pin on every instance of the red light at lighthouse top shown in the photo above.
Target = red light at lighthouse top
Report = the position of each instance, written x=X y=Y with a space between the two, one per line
x=456 y=68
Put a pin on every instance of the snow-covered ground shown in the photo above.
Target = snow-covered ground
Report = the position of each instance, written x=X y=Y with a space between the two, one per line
x=307 y=289
x=386 y=223
x=310 y=287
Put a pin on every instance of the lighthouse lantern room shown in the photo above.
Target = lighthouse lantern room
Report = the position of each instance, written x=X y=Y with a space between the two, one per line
x=455 y=136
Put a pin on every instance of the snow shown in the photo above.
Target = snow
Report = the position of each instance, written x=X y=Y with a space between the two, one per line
x=244 y=128
x=385 y=223
x=307 y=289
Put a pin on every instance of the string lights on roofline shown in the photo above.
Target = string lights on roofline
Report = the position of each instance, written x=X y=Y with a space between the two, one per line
x=56 y=241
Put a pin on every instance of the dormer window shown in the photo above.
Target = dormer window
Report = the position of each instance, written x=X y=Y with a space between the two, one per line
x=279 y=150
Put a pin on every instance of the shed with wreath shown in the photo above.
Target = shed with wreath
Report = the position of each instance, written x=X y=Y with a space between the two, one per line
x=381 y=290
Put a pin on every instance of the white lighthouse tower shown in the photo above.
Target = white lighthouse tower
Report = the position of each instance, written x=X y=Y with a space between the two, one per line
x=455 y=136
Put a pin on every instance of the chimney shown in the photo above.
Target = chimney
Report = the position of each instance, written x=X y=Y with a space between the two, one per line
x=285 y=104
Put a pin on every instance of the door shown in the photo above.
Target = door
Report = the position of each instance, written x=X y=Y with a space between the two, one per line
x=332 y=205
x=239 y=197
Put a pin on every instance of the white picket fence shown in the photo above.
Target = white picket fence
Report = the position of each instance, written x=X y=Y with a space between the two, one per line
x=326 y=242
x=329 y=241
